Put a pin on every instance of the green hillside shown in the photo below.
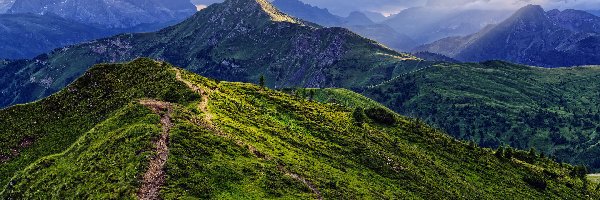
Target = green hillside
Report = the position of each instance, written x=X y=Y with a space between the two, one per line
x=148 y=129
x=496 y=103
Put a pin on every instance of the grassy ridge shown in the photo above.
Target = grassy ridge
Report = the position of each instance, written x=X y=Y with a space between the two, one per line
x=54 y=123
x=252 y=142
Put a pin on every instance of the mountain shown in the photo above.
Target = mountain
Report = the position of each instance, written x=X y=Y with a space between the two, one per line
x=428 y=24
x=594 y=12
x=250 y=38
x=110 y=13
x=308 y=12
x=29 y=35
x=531 y=36
x=146 y=129
x=385 y=35
x=5 y=5
x=358 y=19
x=434 y=57
x=375 y=16
x=357 y=22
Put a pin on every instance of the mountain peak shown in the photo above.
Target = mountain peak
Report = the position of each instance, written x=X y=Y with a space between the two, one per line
x=532 y=14
x=358 y=18
x=530 y=9
x=259 y=7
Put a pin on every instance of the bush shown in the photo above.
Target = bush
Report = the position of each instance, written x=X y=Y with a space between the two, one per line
x=380 y=115
x=500 y=152
x=359 y=116
x=536 y=182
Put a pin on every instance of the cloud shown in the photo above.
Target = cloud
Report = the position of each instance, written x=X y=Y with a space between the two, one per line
x=200 y=7
x=344 y=7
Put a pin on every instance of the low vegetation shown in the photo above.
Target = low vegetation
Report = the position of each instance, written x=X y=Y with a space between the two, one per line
x=498 y=104
x=235 y=140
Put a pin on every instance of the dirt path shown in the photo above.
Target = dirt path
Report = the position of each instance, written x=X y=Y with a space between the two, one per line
x=203 y=106
x=309 y=184
x=207 y=122
x=154 y=178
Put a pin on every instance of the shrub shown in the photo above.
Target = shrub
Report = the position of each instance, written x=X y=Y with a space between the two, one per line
x=380 y=115
x=359 y=115
x=532 y=153
x=500 y=152
x=536 y=182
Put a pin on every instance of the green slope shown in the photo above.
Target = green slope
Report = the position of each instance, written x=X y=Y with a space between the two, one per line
x=59 y=120
x=232 y=140
x=496 y=103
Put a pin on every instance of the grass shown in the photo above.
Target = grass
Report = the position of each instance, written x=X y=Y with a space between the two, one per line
x=258 y=144
x=114 y=153
x=56 y=122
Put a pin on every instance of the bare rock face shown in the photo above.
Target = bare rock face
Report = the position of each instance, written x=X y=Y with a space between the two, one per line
x=109 y=13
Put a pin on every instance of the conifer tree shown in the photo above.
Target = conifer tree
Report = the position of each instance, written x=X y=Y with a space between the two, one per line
x=261 y=81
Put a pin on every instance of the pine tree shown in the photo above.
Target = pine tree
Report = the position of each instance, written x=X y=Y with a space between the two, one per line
x=261 y=81
x=311 y=94
x=509 y=152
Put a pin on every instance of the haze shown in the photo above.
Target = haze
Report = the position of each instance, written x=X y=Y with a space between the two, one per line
x=388 y=7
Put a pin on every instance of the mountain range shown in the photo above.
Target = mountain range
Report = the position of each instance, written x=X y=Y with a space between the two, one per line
x=531 y=36
x=28 y=35
x=110 y=13
x=403 y=31
x=357 y=22
x=148 y=130
x=242 y=40
x=36 y=27
x=428 y=24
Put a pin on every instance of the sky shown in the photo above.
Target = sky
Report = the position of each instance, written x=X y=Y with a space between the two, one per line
x=344 y=7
